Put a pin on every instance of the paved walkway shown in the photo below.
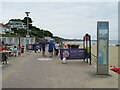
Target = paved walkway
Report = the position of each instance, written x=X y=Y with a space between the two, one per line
x=35 y=71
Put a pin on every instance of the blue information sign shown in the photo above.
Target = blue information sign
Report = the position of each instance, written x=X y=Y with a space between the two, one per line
x=103 y=29
x=103 y=46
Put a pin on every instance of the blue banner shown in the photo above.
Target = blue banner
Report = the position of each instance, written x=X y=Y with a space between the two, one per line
x=33 y=46
x=36 y=47
x=73 y=53
x=29 y=47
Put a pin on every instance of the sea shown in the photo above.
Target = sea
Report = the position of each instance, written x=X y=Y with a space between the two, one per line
x=111 y=42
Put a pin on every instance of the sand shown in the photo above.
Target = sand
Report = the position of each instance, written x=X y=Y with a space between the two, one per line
x=113 y=54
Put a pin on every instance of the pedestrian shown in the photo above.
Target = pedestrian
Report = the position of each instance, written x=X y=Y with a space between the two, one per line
x=57 y=47
x=39 y=48
x=3 y=55
x=51 y=47
x=15 y=51
x=35 y=48
x=36 y=42
x=4 y=58
x=22 y=50
x=19 y=49
x=2 y=42
x=2 y=48
x=61 y=45
x=6 y=46
x=65 y=46
x=43 y=44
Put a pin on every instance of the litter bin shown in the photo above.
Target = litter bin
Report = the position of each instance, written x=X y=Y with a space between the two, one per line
x=74 y=46
x=69 y=46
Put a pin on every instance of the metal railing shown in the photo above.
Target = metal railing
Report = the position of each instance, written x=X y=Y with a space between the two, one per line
x=94 y=58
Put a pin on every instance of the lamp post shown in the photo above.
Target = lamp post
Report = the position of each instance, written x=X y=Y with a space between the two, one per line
x=43 y=35
x=27 y=36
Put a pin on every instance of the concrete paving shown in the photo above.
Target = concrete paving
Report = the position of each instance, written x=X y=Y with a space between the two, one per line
x=31 y=71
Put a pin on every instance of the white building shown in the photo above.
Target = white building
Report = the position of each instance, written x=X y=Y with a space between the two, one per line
x=4 y=29
x=16 y=24
x=48 y=38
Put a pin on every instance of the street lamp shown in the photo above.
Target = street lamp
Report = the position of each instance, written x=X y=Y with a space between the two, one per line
x=27 y=36
x=43 y=35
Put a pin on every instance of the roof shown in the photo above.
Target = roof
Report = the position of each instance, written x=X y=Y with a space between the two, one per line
x=15 y=20
x=4 y=25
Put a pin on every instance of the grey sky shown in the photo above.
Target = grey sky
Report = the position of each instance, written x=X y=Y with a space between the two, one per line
x=65 y=19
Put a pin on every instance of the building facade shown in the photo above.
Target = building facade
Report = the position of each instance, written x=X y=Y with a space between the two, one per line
x=5 y=29
x=16 y=24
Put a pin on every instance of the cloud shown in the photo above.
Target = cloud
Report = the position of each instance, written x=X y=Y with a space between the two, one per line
x=60 y=0
x=65 y=19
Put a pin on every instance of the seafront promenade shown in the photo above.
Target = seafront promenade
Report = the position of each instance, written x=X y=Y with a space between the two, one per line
x=35 y=71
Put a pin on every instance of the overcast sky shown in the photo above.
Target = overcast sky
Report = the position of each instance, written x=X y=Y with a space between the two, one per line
x=65 y=19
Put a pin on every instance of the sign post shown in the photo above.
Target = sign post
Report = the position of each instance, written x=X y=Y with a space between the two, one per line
x=28 y=37
x=103 y=47
x=87 y=46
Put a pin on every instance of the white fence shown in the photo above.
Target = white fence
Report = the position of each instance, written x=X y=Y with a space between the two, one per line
x=16 y=40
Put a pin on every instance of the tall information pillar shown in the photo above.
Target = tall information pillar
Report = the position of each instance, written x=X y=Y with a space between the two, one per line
x=103 y=47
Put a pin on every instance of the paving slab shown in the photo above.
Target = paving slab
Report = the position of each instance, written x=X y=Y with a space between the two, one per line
x=35 y=71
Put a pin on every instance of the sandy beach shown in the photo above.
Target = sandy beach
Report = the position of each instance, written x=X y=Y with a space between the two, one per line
x=113 y=54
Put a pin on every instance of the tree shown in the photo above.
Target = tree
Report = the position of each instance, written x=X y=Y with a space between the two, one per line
x=21 y=32
x=58 y=38
x=36 y=32
x=29 y=20
x=48 y=33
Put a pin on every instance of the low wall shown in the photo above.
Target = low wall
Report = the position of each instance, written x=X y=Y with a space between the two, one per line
x=16 y=40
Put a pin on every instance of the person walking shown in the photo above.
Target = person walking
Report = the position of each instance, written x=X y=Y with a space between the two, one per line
x=35 y=48
x=43 y=44
x=3 y=56
x=57 y=47
x=61 y=45
x=51 y=46
x=22 y=50
x=19 y=50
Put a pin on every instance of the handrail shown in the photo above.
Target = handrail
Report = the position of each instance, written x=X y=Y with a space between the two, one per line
x=93 y=55
x=94 y=58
